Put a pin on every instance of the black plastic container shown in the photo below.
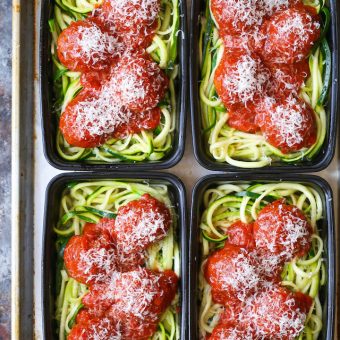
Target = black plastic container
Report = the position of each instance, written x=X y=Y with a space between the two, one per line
x=327 y=295
x=50 y=121
x=53 y=195
x=326 y=153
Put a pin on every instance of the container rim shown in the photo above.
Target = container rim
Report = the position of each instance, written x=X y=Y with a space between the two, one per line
x=194 y=258
x=48 y=128
x=61 y=180
x=324 y=156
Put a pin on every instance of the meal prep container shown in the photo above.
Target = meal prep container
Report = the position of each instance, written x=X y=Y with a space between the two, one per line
x=50 y=121
x=326 y=153
x=326 y=229
x=52 y=206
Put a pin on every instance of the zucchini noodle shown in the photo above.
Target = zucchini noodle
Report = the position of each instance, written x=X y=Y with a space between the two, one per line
x=89 y=202
x=241 y=149
x=138 y=147
x=227 y=203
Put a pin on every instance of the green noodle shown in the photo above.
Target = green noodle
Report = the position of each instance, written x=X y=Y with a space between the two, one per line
x=88 y=202
x=144 y=146
x=239 y=148
x=225 y=204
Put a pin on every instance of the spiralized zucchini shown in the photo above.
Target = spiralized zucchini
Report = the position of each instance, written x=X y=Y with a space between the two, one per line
x=227 y=203
x=89 y=202
x=243 y=149
x=144 y=146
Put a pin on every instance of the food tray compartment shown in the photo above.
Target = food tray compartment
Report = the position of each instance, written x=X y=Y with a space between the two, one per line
x=325 y=154
x=48 y=261
x=326 y=229
x=50 y=121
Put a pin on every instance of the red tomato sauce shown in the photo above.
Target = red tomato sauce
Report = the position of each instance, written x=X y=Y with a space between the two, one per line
x=87 y=45
x=101 y=233
x=135 y=300
x=245 y=276
x=240 y=78
x=95 y=80
x=282 y=229
x=266 y=46
x=232 y=274
x=139 y=83
x=90 y=257
x=288 y=78
x=141 y=223
x=124 y=299
x=288 y=123
x=290 y=34
x=243 y=117
x=241 y=234
x=126 y=86
x=148 y=120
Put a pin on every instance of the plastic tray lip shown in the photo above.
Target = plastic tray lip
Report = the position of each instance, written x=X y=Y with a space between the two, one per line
x=333 y=106
x=194 y=259
x=62 y=179
x=57 y=162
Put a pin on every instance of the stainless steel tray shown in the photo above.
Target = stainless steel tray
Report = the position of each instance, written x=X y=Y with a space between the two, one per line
x=31 y=173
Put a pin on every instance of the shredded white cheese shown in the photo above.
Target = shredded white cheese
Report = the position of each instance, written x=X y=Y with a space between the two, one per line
x=271 y=313
x=98 y=115
x=293 y=28
x=134 y=292
x=288 y=120
x=238 y=274
x=101 y=261
x=148 y=228
x=284 y=233
x=96 y=45
x=138 y=82
x=103 y=330
x=249 y=13
x=132 y=14
x=246 y=79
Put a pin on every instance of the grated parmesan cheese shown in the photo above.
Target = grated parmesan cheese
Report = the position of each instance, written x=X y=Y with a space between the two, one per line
x=139 y=82
x=231 y=333
x=102 y=329
x=148 y=228
x=131 y=87
x=272 y=6
x=237 y=274
x=243 y=278
x=134 y=294
x=239 y=13
x=246 y=79
x=282 y=230
x=97 y=264
x=97 y=46
x=286 y=120
x=131 y=14
x=274 y=311
x=270 y=313
x=290 y=35
x=97 y=115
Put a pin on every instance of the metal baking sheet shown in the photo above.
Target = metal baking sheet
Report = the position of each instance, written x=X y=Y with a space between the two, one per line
x=31 y=173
